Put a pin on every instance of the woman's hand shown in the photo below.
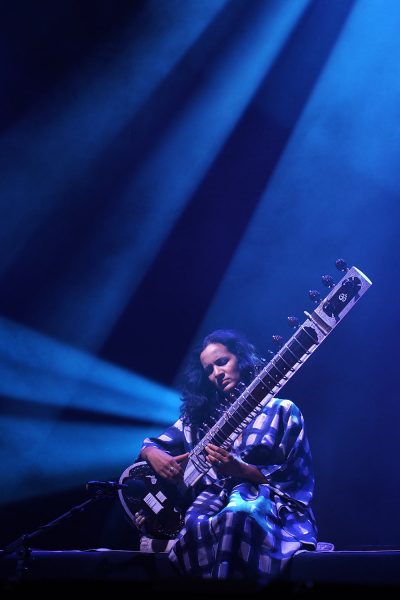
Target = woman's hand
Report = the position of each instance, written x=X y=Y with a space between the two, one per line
x=164 y=464
x=140 y=521
x=228 y=464
x=225 y=462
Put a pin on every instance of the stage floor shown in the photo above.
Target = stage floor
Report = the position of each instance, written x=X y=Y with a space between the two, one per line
x=106 y=569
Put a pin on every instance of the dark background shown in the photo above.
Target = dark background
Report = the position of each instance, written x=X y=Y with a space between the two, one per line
x=171 y=167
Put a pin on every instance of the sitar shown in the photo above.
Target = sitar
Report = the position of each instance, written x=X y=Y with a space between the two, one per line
x=163 y=503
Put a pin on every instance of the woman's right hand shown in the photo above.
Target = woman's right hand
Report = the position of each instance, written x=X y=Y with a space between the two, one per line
x=164 y=464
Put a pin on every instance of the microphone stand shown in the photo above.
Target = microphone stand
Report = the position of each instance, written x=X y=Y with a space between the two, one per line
x=20 y=546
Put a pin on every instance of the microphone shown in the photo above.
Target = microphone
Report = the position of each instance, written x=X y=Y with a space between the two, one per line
x=106 y=486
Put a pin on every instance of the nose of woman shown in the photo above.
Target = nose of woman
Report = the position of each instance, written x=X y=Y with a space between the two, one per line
x=218 y=371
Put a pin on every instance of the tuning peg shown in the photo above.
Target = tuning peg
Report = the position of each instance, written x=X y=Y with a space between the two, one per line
x=314 y=295
x=277 y=340
x=327 y=280
x=293 y=322
x=341 y=265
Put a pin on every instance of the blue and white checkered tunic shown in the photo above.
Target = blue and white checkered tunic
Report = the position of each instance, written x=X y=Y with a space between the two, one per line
x=240 y=530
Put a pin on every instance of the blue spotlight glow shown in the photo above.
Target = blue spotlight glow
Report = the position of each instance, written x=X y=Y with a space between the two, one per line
x=38 y=458
x=63 y=136
x=58 y=145
x=177 y=165
x=36 y=368
x=68 y=416
x=361 y=124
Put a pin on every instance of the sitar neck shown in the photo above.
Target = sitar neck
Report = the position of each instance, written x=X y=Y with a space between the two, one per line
x=267 y=383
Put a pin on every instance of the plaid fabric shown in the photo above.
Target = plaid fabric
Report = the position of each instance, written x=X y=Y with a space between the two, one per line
x=238 y=530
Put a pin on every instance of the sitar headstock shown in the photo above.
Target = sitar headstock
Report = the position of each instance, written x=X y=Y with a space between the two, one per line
x=341 y=298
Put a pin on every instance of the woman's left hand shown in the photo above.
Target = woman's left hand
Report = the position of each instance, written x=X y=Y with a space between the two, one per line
x=225 y=462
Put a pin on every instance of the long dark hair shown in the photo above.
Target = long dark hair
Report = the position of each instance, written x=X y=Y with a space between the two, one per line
x=200 y=399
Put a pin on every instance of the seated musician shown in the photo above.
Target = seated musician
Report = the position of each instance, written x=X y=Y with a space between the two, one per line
x=250 y=510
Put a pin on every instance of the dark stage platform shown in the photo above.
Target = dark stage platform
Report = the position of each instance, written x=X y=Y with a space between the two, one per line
x=108 y=570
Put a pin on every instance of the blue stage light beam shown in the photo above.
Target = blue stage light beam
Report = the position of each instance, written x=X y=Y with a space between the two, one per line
x=67 y=416
x=49 y=456
x=61 y=137
x=143 y=217
x=43 y=370
x=335 y=189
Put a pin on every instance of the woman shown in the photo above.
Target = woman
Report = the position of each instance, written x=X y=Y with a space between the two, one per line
x=251 y=511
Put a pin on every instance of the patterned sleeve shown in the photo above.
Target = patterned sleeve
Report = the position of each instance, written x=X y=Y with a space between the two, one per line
x=276 y=443
x=171 y=441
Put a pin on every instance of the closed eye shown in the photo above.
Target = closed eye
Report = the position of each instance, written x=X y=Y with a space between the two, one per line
x=220 y=362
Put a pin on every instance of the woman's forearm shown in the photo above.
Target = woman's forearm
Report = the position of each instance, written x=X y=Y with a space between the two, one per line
x=251 y=472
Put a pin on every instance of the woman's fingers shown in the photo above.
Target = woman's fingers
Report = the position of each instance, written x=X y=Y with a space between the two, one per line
x=139 y=519
x=171 y=471
x=181 y=457
x=216 y=455
x=172 y=468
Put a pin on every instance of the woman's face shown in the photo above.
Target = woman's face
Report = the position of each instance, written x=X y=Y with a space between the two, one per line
x=220 y=366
